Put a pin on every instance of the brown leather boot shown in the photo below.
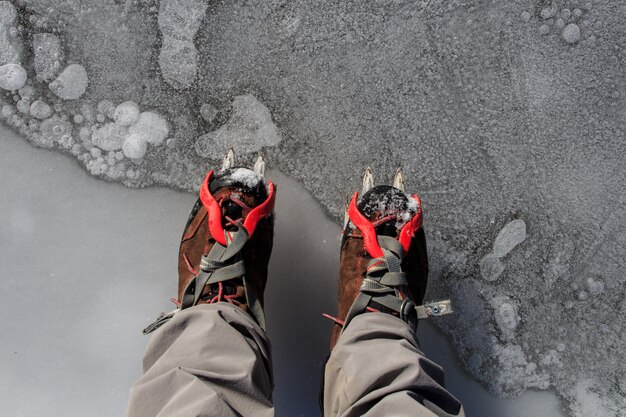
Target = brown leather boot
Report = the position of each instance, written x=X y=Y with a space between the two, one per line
x=227 y=242
x=383 y=263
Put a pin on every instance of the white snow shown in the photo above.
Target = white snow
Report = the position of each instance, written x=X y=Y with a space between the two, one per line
x=246 y=176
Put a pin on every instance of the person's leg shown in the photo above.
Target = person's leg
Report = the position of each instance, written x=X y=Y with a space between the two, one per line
x=208 y=360
x=376 y=367
x=211 y=355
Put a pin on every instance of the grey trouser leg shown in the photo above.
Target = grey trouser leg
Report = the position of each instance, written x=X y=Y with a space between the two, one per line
x=209 y=360
x=378 y=369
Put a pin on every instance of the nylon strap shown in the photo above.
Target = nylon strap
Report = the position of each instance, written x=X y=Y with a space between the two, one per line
x=383 y=276
x=222 y=263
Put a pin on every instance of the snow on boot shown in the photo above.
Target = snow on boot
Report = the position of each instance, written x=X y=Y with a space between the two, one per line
x=383 y=263
x=227 y=242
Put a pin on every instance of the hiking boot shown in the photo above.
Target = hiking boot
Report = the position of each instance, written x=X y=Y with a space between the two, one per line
x=227 y=242
x=383 y=263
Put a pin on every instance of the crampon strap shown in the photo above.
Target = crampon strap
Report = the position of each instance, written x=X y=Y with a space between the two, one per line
x=222 y=263
x=383 y=279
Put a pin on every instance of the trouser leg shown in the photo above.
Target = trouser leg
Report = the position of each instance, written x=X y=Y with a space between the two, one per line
x=378 y=369
x=208 y=360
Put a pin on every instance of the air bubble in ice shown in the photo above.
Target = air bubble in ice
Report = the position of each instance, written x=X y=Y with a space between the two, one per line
x=571 y=33
x=40 y=109
x=208 y=112
x=12 y=77
x=109 y=137
x=525 y=16
x=134 y=146
x=152 y=127
x=126 y=113
x=55 y=128
x=71 y=83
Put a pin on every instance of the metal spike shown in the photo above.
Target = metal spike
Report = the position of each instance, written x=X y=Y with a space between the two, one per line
x=368 y=181
x=398 y=180
x=259 y=166
x=229 y=160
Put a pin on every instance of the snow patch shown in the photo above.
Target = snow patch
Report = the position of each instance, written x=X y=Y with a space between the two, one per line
x=246 y=176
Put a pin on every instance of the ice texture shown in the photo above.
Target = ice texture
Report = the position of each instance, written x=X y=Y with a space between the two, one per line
x=179 y=20
x=12 y=77
x=126 y=113
x=249 y=129
x=490 y=120
x=71 y=83
x=151 y=127
x=10 y=45
x=110 y=137
x=511 y=235
x=49 y=55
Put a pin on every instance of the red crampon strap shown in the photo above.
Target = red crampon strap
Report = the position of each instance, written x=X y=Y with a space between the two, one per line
x=215 y=211
x=370 y=239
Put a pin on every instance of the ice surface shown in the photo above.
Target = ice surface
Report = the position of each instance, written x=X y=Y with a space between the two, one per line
x=490 y=120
